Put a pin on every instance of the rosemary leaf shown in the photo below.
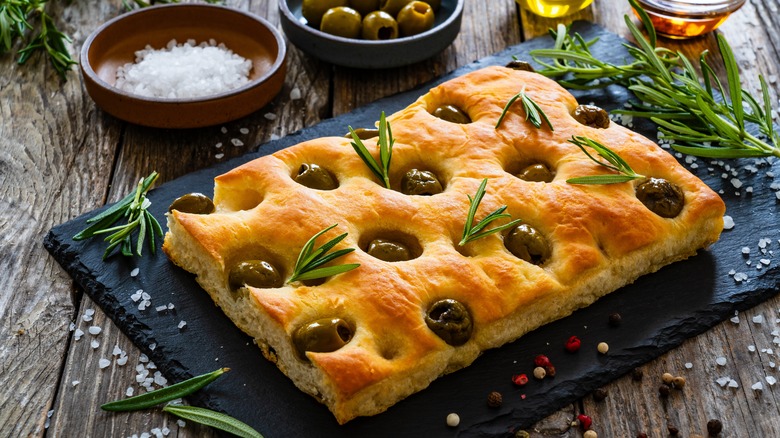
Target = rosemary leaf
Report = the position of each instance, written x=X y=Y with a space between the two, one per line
x=533 y=112
x=614 y=162
x=214 y=419
x=473 y=232
x=163 y=395
x=382 y=168
x=307 y=267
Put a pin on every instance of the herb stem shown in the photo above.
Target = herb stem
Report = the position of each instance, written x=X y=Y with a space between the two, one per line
x=214 y=419
x=473 y=231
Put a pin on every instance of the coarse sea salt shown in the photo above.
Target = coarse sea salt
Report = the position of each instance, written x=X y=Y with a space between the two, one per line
x=181 y=71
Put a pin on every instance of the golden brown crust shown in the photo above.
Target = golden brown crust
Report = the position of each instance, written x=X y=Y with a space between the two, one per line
x=601 y=238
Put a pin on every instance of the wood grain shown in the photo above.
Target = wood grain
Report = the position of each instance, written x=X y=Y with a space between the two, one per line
x=60 y=157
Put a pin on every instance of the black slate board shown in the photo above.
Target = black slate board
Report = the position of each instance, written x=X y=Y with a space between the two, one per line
x=659 y=311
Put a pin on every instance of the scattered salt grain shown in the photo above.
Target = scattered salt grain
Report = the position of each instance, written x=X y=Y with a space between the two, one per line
x=720 y=360
x=723 y=381
x=752 y=348
x=733 y=384
x=78 y=334
x=758 y=319
x=146 y=296
x=688 y=365
x=136 y=296
x=771 y=380
x=170 y=306
x=772 y=364
x=736 y=183
x=94 y=344
x=236 y=142
x=159 y=379
x=244 y=131
x=270 y=116
x=117 y=351
x=758 y=386
x=152 y=346
x=181 y=423
x=728 y=222
x=182 y=324
x=103 y=363
x=95 y=330
x=130 y=391
x=184 y=71
x=295 y=94
x=166 y=431
x=162 y=308
x=121 y=361
x=134 y=272
x=765 y=262
x=71 y=327
x=219 y=156
x=75 y=382
x=745 y=250
x=223 y=130
x=218 y=145
x=735 y=319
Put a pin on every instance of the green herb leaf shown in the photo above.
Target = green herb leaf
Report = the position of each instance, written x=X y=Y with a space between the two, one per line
x=134 y=207
x=163 y=395
x=382 y=168
x=614 y=162
x=214 y=419
x=533 y=111
x=473 y=232
x=307 y=267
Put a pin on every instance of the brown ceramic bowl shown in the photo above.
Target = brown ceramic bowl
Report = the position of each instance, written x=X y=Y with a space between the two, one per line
x=115 y=43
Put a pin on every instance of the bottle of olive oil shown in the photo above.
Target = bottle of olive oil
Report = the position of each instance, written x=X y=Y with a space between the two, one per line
x=554 y=8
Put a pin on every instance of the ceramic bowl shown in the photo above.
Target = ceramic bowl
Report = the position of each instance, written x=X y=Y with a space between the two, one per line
x=115 y=43
x=368 y=54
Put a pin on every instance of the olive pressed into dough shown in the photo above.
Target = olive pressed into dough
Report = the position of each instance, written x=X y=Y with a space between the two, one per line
x=451 y=321
x=322 y=335
x=661 y=197
x=193 y=203
x=420 y=182
x=315 y=177
x=452 y=114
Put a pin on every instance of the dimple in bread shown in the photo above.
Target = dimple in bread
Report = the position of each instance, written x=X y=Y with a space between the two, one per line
x=600 y=238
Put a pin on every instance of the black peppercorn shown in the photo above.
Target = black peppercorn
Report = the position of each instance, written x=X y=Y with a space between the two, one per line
x=637 y=374
x=599 y=394
x=495 y=399
x=673 y=431
x=663 y=391
x=550 y=370
x=615 y=319
x=714 y=427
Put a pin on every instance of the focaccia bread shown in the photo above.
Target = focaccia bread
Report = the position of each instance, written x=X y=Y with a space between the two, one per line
x=584 y=240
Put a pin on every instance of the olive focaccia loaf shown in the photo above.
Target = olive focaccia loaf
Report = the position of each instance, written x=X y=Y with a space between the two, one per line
x=420 y=305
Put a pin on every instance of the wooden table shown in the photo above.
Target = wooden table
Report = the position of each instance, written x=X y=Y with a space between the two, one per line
x=60 y=156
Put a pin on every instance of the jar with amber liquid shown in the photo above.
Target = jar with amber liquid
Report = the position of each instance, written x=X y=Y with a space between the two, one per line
x=688 y=18
x=554 y=8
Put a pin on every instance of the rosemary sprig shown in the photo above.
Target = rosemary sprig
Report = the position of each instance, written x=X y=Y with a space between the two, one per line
x=691 y=111
x=15 y=17
x=163 y=395
x=310 y=260
x=382 y=168
x=533 y=112
x=134 y=207
x=474 y=232
x=214 y=419
x=614 y=162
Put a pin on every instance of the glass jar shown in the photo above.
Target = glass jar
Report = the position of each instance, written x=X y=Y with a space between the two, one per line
x=688 y=18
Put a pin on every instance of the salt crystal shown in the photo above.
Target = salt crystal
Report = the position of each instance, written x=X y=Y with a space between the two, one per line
x=170 y=306
x=130 y=391
x=121 y=361
x=75 y=382
x=728 y=222
x=146 y=296
x=117 y=351
x=735 y=319
x=86 y=318
x=771 y=380
x=145 y=435
x=152 y=346
x=244 y=131
x=182 y=324
x=142 y=306
x=143 y=358
x=745 y=250
x=89 y=312
x=162 y=308
x=732 y=272
x=134 y=272
x=275 y=137
x=723 y=381
x=758 y=319
x=219 y=156
x=295 y=94
x=181 y=423
x=103 y=363
x=78 y=334
x=688 y=365
x=765 y=262
x=156 y=432
x=270 y=116
x=752 y=348
x=771 y=364
x=720 y=361
x=160 y=379
x=218 y=145
x=223 y=129
x=733 y=384
x=95 y=330
x=71 y=327
x=94 y=344
x=236 y=142
x=136 y=296
x=166 y=431
x=758 y=386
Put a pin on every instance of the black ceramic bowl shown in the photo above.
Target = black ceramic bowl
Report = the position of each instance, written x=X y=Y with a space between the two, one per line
x=359 y=53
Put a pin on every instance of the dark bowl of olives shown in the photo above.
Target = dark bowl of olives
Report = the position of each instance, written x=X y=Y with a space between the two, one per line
x=371 y=34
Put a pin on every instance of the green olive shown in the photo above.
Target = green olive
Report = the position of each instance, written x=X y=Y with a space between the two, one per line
x=420 y=182
x=393 y=7
x=315 y=177
x=536 y=173
x=388 y=250
x=322 y=336
x=416 y=17
x=313 y=10
x=452 y=114
x=195 y=203
x=528 y=244
x=255 y=273
x=451 y=321
x=661 y=197
x=379 y=25
x=364 y=133
x=342 y=21
x=364 y=6
x=591 y=115
x=517 y=64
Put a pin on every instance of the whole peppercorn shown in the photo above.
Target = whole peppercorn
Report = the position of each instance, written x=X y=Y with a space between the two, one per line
x=590 y=434
x=550 y=370
x=585 y=421
x=519 y=379
x=714 y=427
x=663 y=391
x=678 y=382
x=599 y=394
x=615 y=319
x=603 y=347
x=522 y=434
x=667 y=378
x=495 y=399
x=453 y=420
x=539 y=373
x=541 y=361
x=637 y=374
x=673 y=431
x=573 y=344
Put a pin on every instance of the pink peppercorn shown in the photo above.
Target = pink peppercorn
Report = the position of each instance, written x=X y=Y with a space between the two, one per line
x=585 y=421
x=519 y=379
x=573 y=344
x=542 y=361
